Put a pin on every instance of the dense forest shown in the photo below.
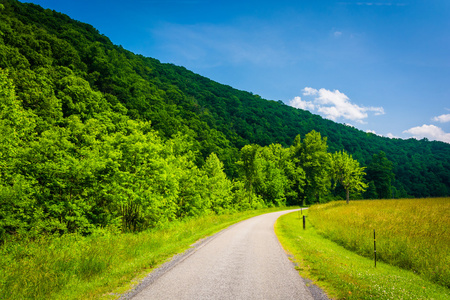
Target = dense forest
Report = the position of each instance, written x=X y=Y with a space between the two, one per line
x=94 y=135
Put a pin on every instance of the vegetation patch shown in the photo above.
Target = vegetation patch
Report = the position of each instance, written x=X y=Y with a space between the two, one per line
x=102 y=265
x=344 y=274
x=411 y=233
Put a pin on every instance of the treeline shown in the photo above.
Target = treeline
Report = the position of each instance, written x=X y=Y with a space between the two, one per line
x=222 y=119
x=35 y=44
x=99 y=168
x=94 y=135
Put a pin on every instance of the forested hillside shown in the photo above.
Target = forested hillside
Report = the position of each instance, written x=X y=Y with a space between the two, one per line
x=94 y=135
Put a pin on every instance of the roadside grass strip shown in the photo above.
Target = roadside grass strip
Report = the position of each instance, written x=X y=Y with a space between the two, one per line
x=100 y=266
x=343 y=274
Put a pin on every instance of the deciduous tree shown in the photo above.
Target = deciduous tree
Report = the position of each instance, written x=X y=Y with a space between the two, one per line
x=346 y=171
x=380 y=172
x=311 y=154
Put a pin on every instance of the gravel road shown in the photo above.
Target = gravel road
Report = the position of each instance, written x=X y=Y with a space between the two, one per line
x=244 y=261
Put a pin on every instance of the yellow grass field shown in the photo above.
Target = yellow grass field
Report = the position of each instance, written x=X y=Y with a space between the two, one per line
x=413 y=234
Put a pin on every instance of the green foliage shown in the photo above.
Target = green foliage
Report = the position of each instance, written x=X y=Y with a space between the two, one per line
x=102 y=264
x=250 y=166
x=39 y=47
x=371 y=192
x=92 y=135
x=17 y=129
x=347 y=172
x=218 y=186
x=264 y=171
x=311 y=155
x=380 y=173
x=274 y=182
x=97 y=168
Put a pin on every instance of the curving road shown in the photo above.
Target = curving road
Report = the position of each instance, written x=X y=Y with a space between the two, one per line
x=244 y=261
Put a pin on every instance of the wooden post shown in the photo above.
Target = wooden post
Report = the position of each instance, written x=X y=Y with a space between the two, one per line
x=374 y=249
x=304 y=222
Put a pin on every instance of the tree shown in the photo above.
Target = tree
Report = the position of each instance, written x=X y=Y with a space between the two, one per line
x=250 y=166
x=346 y=171
x=217 y=184
x=273 y=182
x=16 y=130
x=313 y=157
x=371 y=192
x=380 y=172
x=295 y=174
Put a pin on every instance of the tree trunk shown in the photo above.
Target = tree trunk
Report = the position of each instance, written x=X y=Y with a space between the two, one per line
x=348 y=194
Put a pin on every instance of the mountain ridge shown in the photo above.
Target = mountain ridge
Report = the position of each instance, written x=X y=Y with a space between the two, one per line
x=219 y=118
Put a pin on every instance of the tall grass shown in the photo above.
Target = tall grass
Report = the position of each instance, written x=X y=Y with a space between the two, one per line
x=102 y=265
x=343 y=274
x=413 y=234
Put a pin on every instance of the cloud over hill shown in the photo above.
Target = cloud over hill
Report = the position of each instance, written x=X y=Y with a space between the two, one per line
x=334 y=105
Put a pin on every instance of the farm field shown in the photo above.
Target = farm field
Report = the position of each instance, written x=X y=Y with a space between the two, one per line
x=412 y=234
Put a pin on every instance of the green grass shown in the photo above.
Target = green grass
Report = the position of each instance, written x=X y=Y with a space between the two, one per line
x=413 y=234
x=343 y=274
x=100 y=266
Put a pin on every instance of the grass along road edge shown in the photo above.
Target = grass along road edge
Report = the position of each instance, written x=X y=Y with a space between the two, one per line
x=104 y=265
x=343 y=274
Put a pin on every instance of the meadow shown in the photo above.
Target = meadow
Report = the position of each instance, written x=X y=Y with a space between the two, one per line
x=342 y=273
x=413 y=234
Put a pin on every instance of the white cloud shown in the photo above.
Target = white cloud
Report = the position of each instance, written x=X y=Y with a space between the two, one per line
x=391 y=136
x=333 y=105
x=337 y=34
x=430 y=132
x=297 y=102
x=442 y=118
x=378 y=110
x=308 y=91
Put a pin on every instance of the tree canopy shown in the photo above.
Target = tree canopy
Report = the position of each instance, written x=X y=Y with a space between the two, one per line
x=347 y=172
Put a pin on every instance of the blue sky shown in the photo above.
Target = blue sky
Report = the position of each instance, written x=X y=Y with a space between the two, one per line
x=382 y=66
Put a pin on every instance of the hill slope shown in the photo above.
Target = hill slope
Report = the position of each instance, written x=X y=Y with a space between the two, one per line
x=39 y=48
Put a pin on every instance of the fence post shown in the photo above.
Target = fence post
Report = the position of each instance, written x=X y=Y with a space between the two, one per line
x=374 y=249
x=304 y=222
